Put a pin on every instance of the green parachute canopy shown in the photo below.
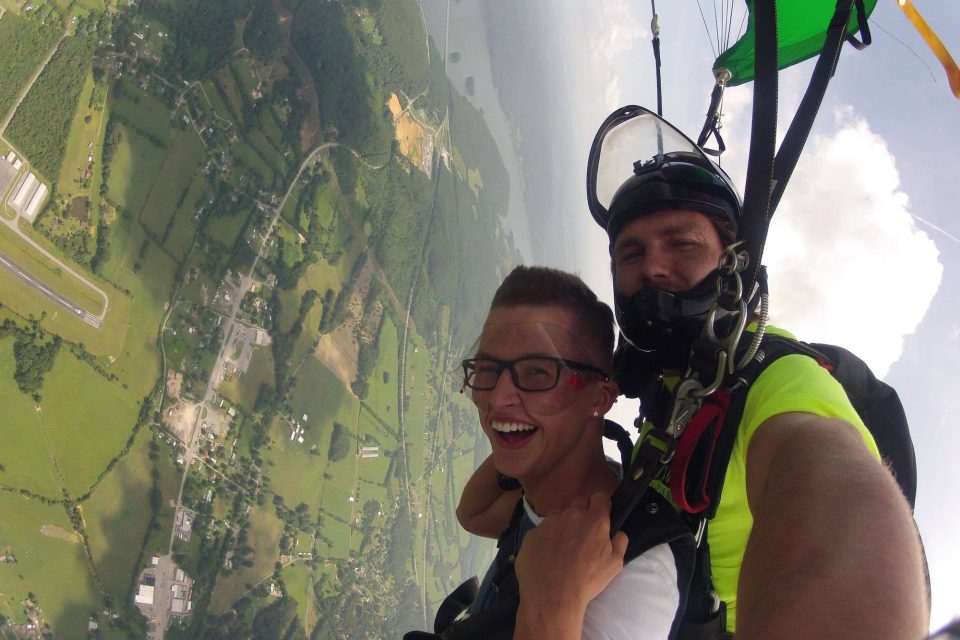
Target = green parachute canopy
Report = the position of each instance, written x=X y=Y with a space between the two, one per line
x=801 y=28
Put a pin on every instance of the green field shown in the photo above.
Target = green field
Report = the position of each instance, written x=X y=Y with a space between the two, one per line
x=87 y=419
x=226 y=229
x=242 y=390
x=24 y=457
x=134 y=167
x=264 y=531
x=54 y=570
x=117 y=515
x=250 y=157
x=138 y=360
x=85 y=140
x=140 y=110
x=172 y=183
x=183 y=228
x=211 y=99
x=298 y=581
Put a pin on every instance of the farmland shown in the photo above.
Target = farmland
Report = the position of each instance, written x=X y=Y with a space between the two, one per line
x=283 y=357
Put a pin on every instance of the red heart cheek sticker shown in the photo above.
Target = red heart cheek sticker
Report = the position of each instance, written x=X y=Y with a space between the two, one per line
x=577 y=381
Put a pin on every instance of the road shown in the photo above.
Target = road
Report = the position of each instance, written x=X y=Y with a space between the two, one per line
x=223 y=354
x=30 y=281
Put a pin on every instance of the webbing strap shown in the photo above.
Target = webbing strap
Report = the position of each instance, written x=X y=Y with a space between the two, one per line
x=654 y=448
x=710 y=417
x=769 y=173
x=763 y=140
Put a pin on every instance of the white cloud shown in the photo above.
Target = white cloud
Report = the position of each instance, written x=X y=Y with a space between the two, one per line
x=847 y=262
x=609 y=29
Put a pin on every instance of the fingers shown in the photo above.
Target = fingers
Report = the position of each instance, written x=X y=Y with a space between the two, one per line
x=619 y=542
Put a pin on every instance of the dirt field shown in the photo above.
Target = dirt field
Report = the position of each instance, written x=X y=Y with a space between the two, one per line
x=338 y=349
x=180 y=419
x=409 y=133
x=174 y=382
x=53 y=531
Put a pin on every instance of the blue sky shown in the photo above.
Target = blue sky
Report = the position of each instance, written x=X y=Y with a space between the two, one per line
x=864 y=249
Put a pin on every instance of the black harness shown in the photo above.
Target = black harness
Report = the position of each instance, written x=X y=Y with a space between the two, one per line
x=653 y=522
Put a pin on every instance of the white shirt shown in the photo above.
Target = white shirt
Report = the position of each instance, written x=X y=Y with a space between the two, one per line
x=640 y=603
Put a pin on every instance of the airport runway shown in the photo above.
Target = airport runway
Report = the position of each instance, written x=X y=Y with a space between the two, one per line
x=29 y=280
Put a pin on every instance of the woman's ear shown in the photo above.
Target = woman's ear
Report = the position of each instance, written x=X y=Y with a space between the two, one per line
x=607 y=392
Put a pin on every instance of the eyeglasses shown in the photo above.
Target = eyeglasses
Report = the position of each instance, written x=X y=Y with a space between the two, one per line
x=532 y=373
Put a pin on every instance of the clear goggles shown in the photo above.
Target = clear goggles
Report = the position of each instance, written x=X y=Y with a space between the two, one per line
x=634 y=141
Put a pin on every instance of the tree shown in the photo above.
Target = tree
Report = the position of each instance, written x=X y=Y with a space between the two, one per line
x=339 y=443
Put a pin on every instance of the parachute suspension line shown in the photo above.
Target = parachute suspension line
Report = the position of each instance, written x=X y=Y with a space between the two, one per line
x=655 y=30
x=707 y=29
x=716 y=25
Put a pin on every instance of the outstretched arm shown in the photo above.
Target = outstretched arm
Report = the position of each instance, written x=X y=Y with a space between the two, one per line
x=833 y=551
x=485 y=508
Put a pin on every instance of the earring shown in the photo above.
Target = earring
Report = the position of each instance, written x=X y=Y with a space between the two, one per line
x=596 y=413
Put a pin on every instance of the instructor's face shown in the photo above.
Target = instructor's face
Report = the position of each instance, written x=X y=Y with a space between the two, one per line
x=669 y=250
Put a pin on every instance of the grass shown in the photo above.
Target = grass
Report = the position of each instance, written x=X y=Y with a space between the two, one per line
x=299 y=584
x=138 y=359
x=39 y=266
x=319 y=394
x=86 y=139
x=87 y=419
x=117 y=516
x=242 y=74
x=382 y=397
x=292 y=252
x=225 y=229
x=242 y=390
x=295 y=473
x=133 y=169
x=214 y=101
x=230 y=93
x=56 y=571
x=183 y=228
x=271 y=127
x=24 y=457
x=264 y=535
x=143 y=110
x=251 y=158
x=173 y=182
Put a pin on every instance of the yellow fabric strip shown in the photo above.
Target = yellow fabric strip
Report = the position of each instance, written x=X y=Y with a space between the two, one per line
x=935 y=44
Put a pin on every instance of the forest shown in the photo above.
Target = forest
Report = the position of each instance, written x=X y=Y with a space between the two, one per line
x=42 y=123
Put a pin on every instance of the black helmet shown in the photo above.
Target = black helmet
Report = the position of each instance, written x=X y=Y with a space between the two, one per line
x=640 y=164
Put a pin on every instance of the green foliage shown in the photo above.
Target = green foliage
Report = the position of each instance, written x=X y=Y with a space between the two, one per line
x=403 y=36
x=326 y=41
x=339 y=443
x=25 y=44
x=34 y=354
x=42 y=123
x=262 y=33
x=202 y=31
x=279 y=621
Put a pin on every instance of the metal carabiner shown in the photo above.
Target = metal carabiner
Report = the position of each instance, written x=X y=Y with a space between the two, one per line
x=686 y=403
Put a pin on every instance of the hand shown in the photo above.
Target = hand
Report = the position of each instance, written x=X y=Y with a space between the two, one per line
x=570 y=558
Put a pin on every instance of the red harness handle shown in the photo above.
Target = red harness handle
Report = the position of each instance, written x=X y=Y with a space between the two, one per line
x=710 y=417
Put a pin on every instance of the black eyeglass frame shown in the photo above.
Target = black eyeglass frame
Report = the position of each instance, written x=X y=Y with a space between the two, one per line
x=509 y=365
